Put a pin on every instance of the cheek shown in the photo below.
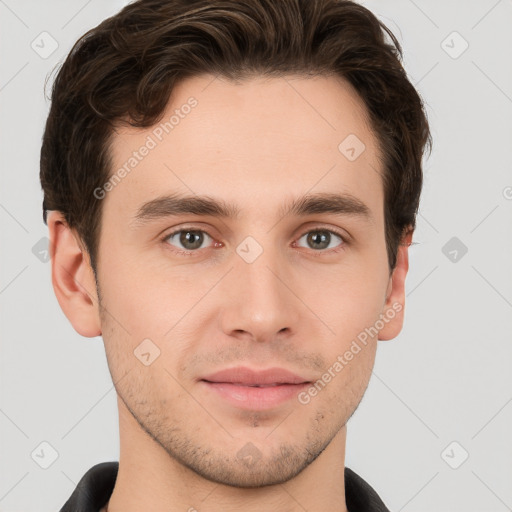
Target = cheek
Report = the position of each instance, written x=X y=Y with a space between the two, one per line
x=348 y=302
x=153 y=310
x=143 y=301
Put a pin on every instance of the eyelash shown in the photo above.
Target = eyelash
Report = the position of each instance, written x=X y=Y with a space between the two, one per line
x=321 y=252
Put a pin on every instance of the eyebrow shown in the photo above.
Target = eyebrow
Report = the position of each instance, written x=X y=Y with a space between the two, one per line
x=175 y=204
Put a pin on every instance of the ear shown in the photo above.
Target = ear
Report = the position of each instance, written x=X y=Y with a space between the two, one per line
x=394 y=306
x=72 y=277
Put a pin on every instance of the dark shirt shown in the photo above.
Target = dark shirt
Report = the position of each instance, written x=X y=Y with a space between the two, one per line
x=96 y=486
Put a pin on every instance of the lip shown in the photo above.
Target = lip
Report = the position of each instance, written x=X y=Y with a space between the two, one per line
x=247 y=377
x=255 y=390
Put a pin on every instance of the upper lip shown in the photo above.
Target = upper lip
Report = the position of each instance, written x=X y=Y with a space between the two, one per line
x=245 y=376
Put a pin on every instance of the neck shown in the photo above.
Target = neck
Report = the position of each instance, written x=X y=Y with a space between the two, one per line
x=150 y=479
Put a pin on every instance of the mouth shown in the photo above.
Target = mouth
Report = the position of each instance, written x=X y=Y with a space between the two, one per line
x=249 y=385
x=245 y=376
x=255 y=390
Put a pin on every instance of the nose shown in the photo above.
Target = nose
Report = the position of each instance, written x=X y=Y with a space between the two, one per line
x=260 y=301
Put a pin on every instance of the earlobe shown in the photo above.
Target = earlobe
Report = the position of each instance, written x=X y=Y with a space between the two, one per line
x=73 y=278
x=393 y=311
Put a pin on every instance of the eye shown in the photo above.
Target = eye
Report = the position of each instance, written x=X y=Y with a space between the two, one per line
x=190 y=239
x=320 y=239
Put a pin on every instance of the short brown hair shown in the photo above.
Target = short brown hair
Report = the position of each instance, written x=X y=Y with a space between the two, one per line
x=124 y=70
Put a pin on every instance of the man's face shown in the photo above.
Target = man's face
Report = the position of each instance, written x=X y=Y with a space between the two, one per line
x=259 y=290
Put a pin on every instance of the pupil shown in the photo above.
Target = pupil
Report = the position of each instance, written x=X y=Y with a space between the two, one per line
x=323 y=238
x=188 y=235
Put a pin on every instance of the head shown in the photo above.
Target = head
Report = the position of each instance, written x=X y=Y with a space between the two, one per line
x=245 y=107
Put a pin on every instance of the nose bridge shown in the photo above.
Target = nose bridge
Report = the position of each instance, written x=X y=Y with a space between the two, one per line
x=261 y=302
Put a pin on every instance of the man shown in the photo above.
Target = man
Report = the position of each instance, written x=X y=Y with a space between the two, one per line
x=231 y=191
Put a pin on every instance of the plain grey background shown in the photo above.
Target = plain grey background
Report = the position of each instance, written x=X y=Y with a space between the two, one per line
x=433 y=430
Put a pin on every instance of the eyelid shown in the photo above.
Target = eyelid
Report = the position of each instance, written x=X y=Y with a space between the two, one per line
x=321 y=227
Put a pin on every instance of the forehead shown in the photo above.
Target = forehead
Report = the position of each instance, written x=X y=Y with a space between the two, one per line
x=249 y=142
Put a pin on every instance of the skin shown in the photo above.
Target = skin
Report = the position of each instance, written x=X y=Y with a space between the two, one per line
x=257 y=143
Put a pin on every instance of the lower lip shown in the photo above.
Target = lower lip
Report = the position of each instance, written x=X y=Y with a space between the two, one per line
x=253 y=398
